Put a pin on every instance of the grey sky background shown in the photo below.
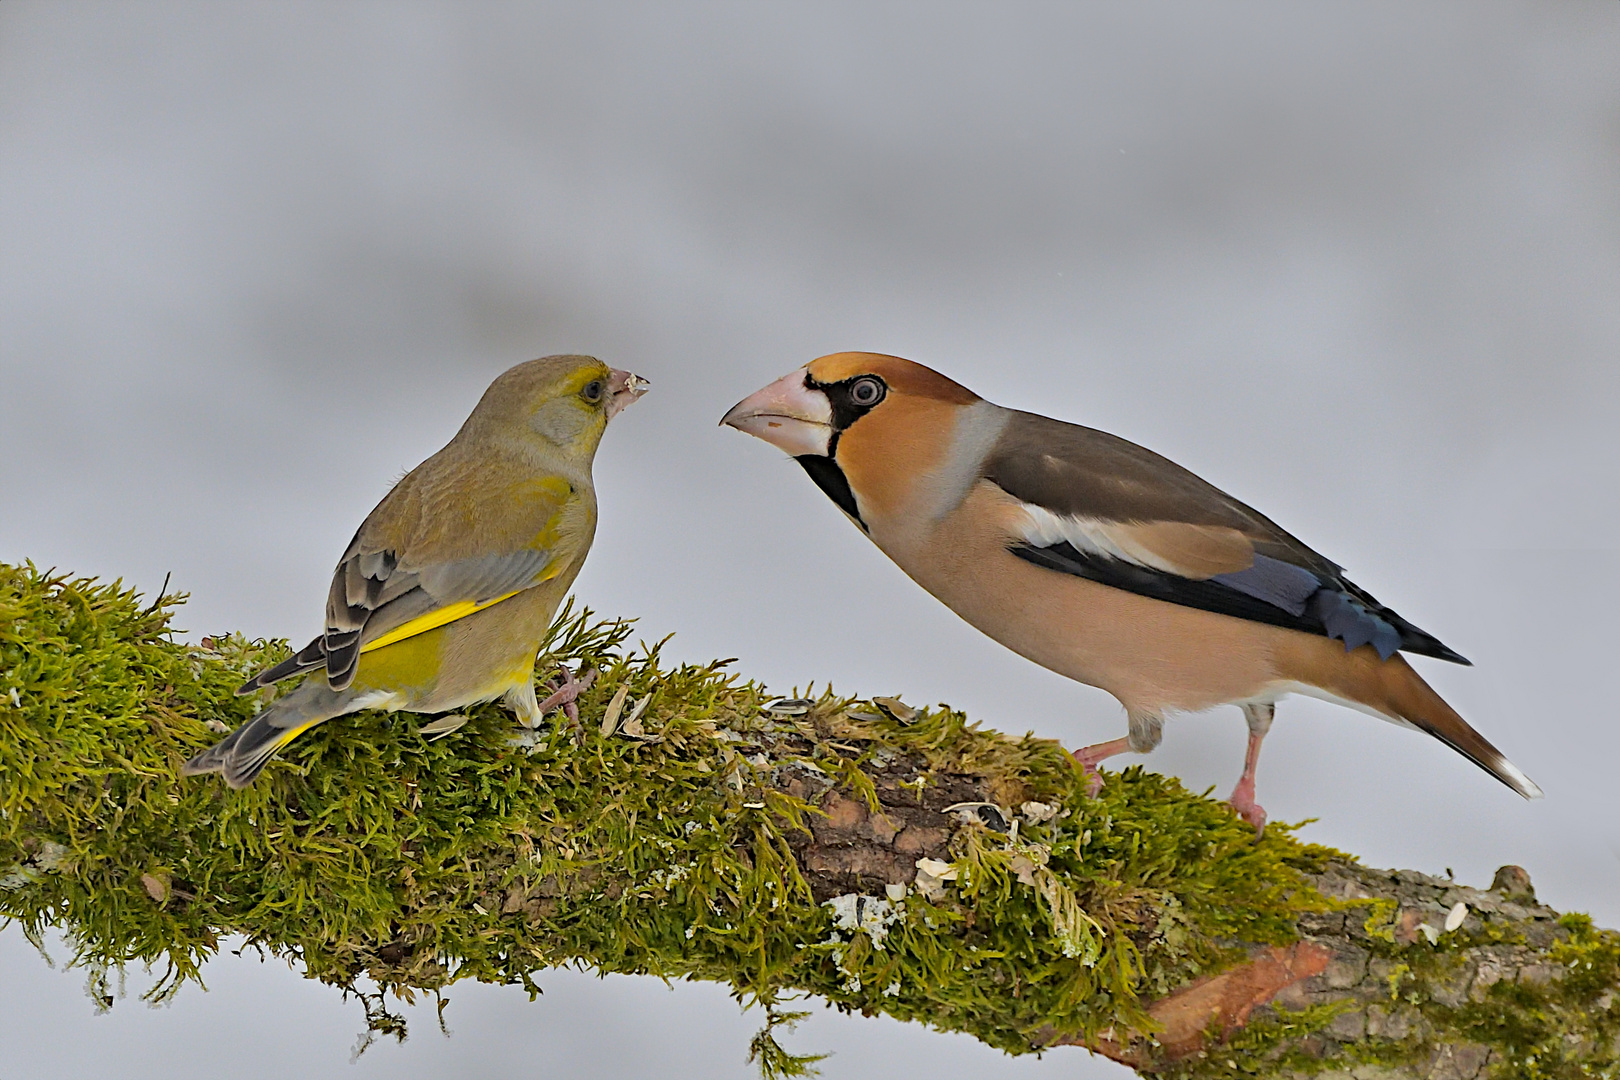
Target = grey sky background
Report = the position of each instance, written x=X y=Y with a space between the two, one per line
x=1358 y=264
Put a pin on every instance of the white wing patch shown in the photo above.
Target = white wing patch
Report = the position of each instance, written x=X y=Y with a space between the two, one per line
x=1091 y=536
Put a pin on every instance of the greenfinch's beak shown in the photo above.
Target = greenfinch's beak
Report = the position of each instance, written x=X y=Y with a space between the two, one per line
x=623 y=390
x=787 y=414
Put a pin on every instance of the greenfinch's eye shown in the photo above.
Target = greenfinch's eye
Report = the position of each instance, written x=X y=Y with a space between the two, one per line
x=866 y=391
x=592 y=391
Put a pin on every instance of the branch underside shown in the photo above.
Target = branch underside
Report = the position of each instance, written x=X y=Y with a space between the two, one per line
x=885 y=859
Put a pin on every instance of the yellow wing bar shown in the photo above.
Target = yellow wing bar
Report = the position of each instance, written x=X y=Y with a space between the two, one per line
x=433 y=620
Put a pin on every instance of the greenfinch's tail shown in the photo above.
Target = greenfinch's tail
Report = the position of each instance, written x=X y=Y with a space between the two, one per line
x=242 y=754
x=308 y=658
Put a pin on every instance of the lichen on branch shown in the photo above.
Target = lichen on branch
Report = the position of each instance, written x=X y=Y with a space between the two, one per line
x=883 y=858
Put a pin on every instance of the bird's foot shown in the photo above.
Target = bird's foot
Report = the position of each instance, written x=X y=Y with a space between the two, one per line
x=1094 y=779
x=1242 y=801
x=1089 y=757
x=566 y=697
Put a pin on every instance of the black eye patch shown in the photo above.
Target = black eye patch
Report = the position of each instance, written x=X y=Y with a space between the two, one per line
x=850 y=398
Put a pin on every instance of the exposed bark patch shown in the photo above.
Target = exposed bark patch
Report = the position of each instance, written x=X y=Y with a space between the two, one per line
x=1224 y=1002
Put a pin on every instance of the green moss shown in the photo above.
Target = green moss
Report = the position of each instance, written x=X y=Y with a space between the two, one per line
x=369 y=849
x=1380 y=921
x=1552 y=1029
x=1266 y=1046
x=1536 y=1026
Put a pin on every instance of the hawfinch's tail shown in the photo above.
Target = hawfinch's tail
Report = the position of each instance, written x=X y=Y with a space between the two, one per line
x=1392 y=688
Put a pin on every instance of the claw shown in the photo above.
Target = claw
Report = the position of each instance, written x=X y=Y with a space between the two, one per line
x=1242 y=801
x=1094 y=780
x=566 y=696
x=1089 y=757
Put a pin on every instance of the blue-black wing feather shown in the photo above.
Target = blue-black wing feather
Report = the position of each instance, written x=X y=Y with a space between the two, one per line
x=1271 y=591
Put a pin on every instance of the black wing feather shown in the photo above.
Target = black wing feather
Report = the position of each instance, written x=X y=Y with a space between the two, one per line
x=308 y=658
x=1337 y=608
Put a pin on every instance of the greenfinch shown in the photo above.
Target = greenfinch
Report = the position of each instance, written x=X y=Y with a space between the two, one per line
x=446 y=593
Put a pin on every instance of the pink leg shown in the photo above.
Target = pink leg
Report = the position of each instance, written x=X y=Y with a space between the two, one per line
x=1242 y=800
x=1146 y=731
x=566 y=695
x=1091 y=756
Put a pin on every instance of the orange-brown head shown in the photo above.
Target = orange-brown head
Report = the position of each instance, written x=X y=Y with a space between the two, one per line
x=865 y=426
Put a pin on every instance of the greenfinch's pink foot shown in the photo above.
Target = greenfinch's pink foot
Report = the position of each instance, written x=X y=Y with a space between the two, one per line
x=566 y=697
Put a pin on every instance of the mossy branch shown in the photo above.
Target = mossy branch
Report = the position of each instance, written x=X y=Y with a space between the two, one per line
x=887 y=860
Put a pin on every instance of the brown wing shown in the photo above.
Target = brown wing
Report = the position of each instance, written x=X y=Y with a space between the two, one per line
x=1106 y=509
x=1080 y=472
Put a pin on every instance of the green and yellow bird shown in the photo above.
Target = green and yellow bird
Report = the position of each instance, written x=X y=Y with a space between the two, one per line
x=447 y=590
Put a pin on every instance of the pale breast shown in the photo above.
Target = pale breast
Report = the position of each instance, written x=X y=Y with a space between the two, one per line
x=1153 y=656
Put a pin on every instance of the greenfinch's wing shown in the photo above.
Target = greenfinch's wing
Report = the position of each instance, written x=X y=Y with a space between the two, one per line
x=377 y=599
x=408 y=571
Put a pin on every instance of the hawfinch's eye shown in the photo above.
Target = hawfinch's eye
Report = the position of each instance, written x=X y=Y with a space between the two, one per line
x=866 y=391
x=592 y=391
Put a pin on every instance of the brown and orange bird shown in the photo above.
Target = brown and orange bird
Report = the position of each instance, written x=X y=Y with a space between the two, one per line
x=1101 y=560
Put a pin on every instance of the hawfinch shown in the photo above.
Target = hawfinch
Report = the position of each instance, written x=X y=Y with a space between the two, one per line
x=447 y=591
x=1100 y=560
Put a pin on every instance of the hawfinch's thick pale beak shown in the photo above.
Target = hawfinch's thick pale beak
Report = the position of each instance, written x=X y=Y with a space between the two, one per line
x=787 y=414
x=623 y=390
